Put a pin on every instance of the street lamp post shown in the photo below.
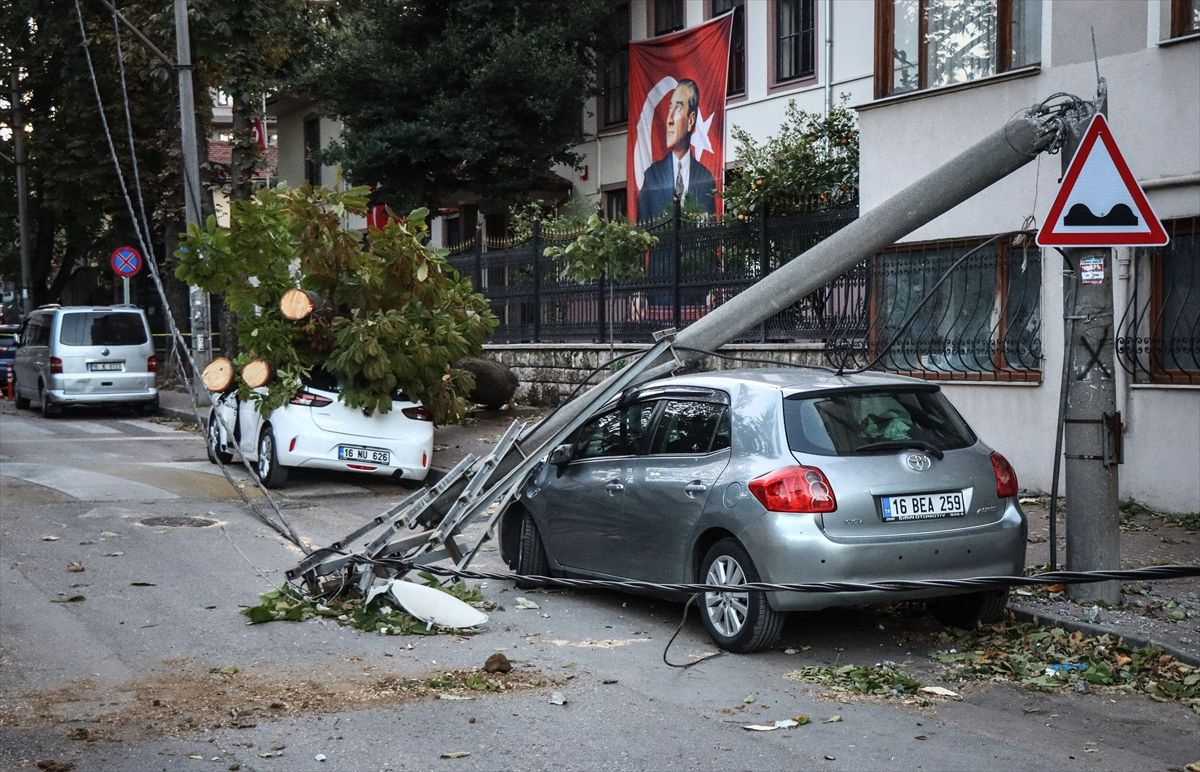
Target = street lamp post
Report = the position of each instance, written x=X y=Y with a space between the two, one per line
x=18 y=129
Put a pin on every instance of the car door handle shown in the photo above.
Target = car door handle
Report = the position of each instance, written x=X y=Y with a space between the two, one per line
x=694 y=487
x=613 y=487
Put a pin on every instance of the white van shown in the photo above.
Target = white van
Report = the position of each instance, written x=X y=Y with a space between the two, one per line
x=86 y=355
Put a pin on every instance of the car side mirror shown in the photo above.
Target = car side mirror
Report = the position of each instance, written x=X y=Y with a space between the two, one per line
x=562 y=455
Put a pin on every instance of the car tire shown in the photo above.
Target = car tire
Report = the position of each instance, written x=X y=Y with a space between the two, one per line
x=22 y=403
x=149 y=408
x=212 y=433
x=270 y=473
x=740 y=622
x=968 y=611
x=49 y=410
x=531 y=554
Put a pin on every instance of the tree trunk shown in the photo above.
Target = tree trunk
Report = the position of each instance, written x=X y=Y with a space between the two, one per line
x=495 y=384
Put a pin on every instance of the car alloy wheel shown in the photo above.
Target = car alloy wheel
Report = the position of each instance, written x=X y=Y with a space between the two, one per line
x=727 y=610
x=270 y=473
x=531 y=556
x=740 y=622
x=213 y=433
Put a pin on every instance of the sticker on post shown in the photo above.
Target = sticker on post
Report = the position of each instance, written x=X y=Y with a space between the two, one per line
x=1091 y=270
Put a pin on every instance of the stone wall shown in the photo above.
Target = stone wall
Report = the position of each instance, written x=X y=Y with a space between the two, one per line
x=549 y=372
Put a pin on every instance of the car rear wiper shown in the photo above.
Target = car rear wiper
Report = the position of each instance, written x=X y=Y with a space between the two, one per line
x=928 y=447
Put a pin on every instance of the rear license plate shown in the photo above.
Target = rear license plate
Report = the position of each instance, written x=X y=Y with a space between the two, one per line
x=370 y=455
x=96 y=367
x=923 y=507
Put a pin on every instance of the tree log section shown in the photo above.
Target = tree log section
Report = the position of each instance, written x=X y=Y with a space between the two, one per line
x=218 y=375
x=298 y=304
x=256 y=373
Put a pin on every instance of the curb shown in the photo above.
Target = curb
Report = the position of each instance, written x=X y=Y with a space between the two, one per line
x=183 y=415
x=1089 y=628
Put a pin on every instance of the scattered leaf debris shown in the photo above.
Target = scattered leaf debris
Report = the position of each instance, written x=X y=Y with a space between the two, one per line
x=881 y=679
x=287 y=604
x=1049 y=659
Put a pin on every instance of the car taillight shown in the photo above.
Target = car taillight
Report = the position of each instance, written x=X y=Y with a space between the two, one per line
x=308 y=399
x=152 y=364
x=794 y=489
x=417 y=413
x=1006 y=478
x=55 y=365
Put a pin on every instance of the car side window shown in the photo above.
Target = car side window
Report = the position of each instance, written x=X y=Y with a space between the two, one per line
x=691 y=427
x=38 y=333
x=618 y=432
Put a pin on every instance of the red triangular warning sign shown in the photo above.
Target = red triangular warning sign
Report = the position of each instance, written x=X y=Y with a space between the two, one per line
x=1100 y=204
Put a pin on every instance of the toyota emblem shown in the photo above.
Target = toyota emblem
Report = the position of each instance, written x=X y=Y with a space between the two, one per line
x=918 y=462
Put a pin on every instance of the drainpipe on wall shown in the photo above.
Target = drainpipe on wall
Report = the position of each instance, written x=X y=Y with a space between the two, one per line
x=828 y=56
x=1123 y=258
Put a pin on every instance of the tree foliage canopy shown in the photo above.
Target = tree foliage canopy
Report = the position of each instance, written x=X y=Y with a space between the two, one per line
x=76 y=209
x=813 y=156
x=403 y=316
x=438 y=96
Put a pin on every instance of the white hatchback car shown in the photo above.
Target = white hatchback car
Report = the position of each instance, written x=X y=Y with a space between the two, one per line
x=317 y=431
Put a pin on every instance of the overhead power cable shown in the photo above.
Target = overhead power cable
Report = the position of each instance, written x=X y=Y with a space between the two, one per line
x=180 y=351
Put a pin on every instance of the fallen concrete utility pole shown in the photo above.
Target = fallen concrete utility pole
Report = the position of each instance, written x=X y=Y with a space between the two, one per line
x=991 y=159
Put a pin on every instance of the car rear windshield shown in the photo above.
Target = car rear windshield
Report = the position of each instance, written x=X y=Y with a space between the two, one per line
x=7 y=340
x=320 y=378
x=102 y=328
x=853 y=422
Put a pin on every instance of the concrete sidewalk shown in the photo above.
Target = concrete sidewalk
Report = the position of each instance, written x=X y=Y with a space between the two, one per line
x=1148 y=615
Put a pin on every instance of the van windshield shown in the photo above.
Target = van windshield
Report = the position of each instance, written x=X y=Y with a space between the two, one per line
x=845 y=423
x=102 y=328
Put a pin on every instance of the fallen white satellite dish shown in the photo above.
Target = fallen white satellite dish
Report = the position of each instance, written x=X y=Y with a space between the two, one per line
x=430 y=605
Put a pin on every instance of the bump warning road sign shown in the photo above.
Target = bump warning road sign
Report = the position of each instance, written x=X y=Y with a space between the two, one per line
x=1100 y=204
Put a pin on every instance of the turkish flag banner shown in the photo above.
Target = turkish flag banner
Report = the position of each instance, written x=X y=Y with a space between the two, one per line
x=676 y=138
x=258 y=132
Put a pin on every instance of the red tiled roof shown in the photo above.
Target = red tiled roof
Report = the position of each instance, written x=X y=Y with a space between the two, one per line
x=221 y=152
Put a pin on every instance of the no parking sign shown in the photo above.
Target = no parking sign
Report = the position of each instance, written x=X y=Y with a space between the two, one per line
x=126 y=262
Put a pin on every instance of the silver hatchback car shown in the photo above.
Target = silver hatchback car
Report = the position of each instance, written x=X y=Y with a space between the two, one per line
x=86 y=355
x=780 y=476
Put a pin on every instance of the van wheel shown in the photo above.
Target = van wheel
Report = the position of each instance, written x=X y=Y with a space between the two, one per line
x=22 y=403
x=741 y=622
x=149 y=408
x=49 y=410
x=270 y=473
x=531 y=554
x=968 y=611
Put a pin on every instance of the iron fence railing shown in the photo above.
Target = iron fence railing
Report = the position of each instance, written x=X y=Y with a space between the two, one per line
x=1158 y=335
x=982 y=320
x=959 y=309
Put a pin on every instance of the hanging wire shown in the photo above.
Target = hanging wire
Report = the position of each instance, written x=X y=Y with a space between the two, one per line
x=142 y=231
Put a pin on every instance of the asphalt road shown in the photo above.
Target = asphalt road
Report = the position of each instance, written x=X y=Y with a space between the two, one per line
x=138 y=673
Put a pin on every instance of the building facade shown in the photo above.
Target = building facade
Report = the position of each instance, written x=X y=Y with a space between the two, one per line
x=930 y=78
